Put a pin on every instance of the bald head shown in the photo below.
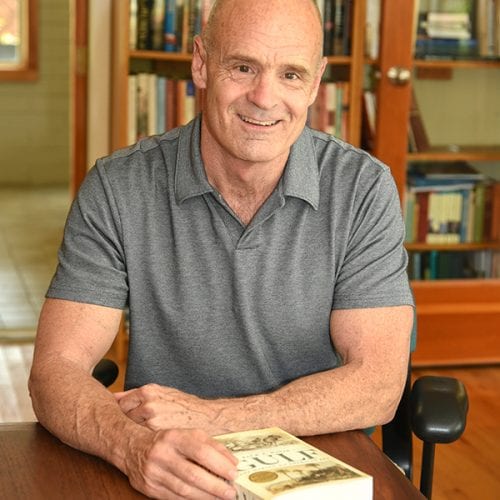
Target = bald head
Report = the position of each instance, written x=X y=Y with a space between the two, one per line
x=300 y=17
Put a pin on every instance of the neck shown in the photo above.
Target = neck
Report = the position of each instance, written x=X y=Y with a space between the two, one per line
x=244 y=190
x=245 y=186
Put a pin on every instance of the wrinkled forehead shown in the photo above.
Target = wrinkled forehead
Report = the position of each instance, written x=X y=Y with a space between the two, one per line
x=271 y=26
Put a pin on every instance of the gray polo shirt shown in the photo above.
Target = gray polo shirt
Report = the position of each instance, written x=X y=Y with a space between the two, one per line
x=217 y=308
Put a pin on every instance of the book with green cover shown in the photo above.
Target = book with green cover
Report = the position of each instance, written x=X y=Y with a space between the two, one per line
x=275 y=464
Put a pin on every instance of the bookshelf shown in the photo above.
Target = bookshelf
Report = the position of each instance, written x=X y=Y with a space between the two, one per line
x=458 y=320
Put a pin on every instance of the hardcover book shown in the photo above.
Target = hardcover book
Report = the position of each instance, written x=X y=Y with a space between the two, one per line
x=276 y=464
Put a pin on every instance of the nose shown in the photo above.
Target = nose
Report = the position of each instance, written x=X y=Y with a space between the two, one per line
x=264 y=92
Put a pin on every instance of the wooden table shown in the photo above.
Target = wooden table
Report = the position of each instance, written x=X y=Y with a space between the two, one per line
x=36 y=465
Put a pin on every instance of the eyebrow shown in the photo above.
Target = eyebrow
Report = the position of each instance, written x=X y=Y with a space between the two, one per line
x=244 y=59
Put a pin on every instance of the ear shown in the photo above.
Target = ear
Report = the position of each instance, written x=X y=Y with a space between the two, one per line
x=317 y=80
x=199 y=63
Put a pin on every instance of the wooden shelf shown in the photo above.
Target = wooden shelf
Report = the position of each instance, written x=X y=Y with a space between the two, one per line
x=458 y=247
x=155 y=55
x=456 y=63
x=462 y=153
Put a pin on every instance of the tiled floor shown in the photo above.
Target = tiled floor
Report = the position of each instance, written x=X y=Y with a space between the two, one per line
x=31 y=225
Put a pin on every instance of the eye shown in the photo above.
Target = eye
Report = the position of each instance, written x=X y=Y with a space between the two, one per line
x=243 y=68
x=290 y=75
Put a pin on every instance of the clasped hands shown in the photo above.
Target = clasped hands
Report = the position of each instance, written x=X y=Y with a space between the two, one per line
x=178 y=459
x=159 y=407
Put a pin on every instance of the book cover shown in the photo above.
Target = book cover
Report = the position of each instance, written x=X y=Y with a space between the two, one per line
x=275 y=464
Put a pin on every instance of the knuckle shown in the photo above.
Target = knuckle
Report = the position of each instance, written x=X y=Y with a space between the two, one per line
x=148 y=389
x=184 y=490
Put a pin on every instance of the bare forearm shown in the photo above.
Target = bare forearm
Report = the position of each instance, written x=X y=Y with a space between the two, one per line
x=348 y=397
x=80 y=411
x=330 y=401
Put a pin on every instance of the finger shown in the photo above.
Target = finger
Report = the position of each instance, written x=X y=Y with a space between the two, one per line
x=222 y=449
x=129 y=401
x=161 y=483
x=201 y=449
x=119 y=394
x=196 y=486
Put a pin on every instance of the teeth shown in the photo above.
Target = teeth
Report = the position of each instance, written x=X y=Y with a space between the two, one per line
x=256 y=122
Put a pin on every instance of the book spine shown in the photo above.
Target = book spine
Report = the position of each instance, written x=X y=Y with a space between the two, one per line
x=327 y=12
x=142 y=105
x=479 y=203
x=157 y=21
x=152 y=104
x=133 y=25
x=372 y=27
x=144 y=13
x=169 y=27
x=495 y=213
x=338 y=29
x=160 y=107
x=418 y=132
x=132 y=110
x=347 y=22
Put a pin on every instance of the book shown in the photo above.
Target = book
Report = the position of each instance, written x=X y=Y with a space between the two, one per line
x=372 y=28
x=143 y=24
x=169 y=26
x=157 y=24
x=438 y=170
x=133 y=25
x=419 y=140
x=276 y=464
x=455 y=25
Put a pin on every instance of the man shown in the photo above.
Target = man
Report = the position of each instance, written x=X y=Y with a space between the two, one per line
x=262 y=264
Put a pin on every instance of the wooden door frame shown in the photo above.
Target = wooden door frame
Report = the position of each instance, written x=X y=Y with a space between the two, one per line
x=393 y=101
x=79 y=93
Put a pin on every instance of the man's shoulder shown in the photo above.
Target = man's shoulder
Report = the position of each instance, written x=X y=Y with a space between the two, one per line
x=142 y=150
x=339 y=153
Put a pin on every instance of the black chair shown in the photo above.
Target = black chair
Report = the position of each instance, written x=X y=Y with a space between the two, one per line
x=434 y=409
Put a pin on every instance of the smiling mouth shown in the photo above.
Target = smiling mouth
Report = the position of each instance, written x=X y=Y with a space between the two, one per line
x=251 y=121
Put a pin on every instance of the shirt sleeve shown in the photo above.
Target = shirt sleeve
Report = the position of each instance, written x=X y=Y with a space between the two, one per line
x=91 y=266
x=374 y=268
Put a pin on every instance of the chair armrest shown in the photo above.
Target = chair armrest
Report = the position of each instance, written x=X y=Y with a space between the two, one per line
x=105 y=372
x=439 y=409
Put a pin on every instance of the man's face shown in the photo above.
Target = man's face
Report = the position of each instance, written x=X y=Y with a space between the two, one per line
x=261 y=76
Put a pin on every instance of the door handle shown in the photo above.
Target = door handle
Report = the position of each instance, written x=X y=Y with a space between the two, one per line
x=398 y=75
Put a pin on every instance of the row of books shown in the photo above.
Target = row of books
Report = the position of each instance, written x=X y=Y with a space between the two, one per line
x=330 y=110
x=170 y=25
x=166 y=25
x=157 y=104
x=434 y=265
x=458 y=29
x=451 y=203
x=337 y=24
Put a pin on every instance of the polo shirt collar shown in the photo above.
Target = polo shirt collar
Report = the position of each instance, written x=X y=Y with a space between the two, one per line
x=190 y=177
x=300 y=178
